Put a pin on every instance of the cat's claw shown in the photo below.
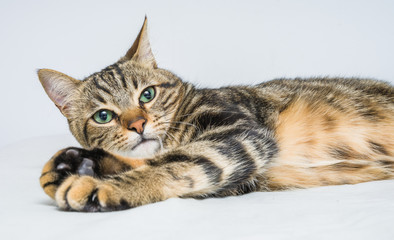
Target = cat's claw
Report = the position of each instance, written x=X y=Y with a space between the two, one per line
x=88 y=194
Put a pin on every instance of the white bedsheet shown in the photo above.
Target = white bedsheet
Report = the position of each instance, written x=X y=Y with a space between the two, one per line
x=362 y=211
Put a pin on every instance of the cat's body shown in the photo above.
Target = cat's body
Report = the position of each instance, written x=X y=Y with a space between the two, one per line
x=149 y=136
x=325 y=131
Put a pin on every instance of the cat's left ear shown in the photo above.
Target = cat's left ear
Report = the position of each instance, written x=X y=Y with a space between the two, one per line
x=59 y=87
x=141 y=51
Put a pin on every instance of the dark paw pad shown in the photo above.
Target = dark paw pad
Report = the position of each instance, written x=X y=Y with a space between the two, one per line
x=63 y=166
x=76 y=161
x=86 y=167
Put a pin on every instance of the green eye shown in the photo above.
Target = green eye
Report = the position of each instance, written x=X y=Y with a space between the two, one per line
x=103 y=116
x=147 y=95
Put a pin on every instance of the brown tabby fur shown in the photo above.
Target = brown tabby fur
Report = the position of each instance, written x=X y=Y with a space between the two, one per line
x=212 y=142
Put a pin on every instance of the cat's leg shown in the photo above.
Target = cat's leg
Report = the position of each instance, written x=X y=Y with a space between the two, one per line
x=199 y=169
x=96 y=163
x=134 y=188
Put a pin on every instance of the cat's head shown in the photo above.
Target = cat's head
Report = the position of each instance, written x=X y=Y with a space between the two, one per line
x=125 y=109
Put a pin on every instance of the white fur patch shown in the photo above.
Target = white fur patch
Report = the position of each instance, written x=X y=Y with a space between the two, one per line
x=145 y=149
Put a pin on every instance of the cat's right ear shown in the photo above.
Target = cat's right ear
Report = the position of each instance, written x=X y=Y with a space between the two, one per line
x=59 y=88
x=141 y=51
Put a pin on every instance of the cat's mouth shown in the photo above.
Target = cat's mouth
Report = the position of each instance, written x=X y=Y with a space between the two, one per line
x=144 y=148
x=144 y=141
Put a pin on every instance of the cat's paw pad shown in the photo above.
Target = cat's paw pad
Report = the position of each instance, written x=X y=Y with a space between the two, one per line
x=69 y=154
x=73 y=160
x=87 y=194
x=64 y=163
x=86 y=167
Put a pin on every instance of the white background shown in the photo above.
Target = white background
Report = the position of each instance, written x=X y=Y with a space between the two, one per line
x=209 y=43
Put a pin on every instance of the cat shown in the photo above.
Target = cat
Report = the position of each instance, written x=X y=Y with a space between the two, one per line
x=148 y=136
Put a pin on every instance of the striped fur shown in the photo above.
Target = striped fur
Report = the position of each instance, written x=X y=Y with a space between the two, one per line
x=202 y=143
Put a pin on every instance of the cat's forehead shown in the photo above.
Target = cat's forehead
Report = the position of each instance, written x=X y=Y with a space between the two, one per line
x=125 y=76
x=121 y=83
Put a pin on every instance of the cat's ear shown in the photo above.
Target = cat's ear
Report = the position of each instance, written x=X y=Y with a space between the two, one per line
x=141 y=51
x=59 y=87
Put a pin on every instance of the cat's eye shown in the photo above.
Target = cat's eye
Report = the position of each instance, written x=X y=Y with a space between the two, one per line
x=147 y=95
x=103 y=116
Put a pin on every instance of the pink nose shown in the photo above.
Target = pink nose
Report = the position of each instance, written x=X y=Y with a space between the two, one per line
x=137 y=125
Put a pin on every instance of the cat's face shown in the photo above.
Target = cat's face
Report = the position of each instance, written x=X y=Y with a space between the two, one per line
x=125 y=109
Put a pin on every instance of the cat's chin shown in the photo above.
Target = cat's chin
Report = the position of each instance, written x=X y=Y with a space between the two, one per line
x=145 y=149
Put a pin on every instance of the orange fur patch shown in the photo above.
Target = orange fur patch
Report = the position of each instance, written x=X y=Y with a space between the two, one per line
x=133 y=162
x=313 y=138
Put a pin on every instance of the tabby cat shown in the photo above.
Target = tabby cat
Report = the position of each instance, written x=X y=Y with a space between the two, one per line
x=147 y=136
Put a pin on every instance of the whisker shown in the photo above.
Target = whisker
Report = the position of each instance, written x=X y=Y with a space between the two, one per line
x=161 y=143
x=174 y=128
x=172 y=137
x=189 y=124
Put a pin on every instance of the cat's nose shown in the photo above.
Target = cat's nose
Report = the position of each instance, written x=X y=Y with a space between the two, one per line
x=137 y=125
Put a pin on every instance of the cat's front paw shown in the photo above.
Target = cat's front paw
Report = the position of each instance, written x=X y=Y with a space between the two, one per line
x=88 y=194
x=67 y=162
